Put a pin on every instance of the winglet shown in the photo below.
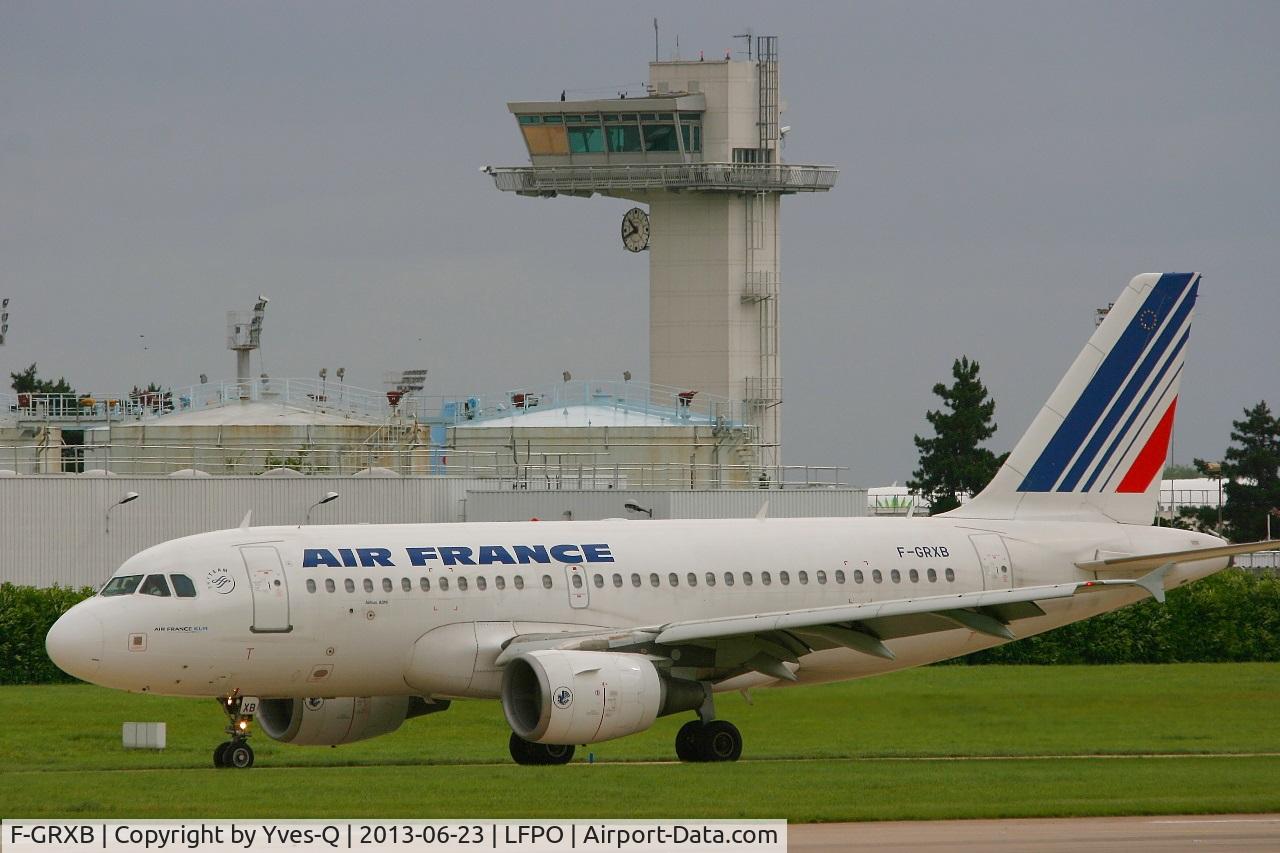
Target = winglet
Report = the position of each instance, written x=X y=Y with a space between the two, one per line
x=763 y=512
x=1153 y=581
x=247 y=520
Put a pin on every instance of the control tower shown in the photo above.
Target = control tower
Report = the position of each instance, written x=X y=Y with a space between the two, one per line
x=701 y=150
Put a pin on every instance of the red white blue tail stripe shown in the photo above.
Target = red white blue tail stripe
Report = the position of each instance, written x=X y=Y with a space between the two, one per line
x=1115 y=436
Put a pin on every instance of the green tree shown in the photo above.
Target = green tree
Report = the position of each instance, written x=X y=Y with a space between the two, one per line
x=1251 y=474
x=27 y=382
x=952 y=462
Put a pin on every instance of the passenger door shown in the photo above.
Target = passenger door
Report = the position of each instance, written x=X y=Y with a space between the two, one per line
x=270 y=589
x=576 y=581
x=994 y=559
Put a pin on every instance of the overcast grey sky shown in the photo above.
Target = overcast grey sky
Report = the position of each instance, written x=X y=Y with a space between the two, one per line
x=1005 y=169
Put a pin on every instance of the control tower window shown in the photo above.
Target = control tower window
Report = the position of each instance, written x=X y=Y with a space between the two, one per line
x=123 y=585
x=660 y=137
x=586 y=139
x=155 y=585
x=530 y=119
x=624 y=138
x=692 y=137
x=553 y=119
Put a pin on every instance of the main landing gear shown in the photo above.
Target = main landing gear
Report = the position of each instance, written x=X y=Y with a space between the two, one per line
x=236 y=752
x=714 y=740
x=528 y=752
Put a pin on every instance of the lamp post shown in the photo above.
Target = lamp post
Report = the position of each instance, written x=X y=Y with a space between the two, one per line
x=128 y=497
x=1215 y=468
x=635 y=507
x=328 y=497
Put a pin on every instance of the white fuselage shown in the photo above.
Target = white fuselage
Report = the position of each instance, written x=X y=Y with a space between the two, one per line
x=285 y=634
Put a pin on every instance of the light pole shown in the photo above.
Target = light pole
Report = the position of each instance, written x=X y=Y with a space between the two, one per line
x=328 y=497
x=128 y=497
x=635 y=507
x=1215 y=468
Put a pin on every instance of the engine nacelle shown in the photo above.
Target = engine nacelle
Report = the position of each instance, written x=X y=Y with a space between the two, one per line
x=328 y=722
x=570 y=697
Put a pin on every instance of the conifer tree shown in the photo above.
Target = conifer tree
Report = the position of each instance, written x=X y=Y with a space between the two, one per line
x=1251 y=475
x=952 y=462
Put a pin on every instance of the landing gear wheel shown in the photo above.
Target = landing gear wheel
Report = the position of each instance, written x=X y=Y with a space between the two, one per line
x=520 y=749
x=687 y=741
x=528 y=752
x=220 y=755
x=238 y=755
x=720 y=740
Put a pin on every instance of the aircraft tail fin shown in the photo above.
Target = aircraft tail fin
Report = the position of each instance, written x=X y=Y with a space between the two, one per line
x=1097 y=448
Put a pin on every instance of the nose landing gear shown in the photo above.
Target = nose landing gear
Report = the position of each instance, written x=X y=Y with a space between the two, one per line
x=236 y=752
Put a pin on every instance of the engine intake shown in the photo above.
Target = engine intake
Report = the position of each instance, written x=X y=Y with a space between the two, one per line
x=345 y=719
x=569 y=697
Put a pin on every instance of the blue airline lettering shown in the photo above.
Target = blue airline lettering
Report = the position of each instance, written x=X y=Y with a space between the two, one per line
x=562 y=553
x=458 y=555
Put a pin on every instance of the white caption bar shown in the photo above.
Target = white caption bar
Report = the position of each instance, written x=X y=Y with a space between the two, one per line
x=410 y=836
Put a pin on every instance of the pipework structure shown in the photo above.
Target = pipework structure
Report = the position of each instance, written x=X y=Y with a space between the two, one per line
x=702 y=150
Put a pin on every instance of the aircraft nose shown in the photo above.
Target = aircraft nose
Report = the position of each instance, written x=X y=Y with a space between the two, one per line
x=74 y=643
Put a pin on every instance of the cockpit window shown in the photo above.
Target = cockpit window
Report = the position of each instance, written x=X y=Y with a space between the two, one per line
x=123 y=585
x=155 y=585
x=183 y=586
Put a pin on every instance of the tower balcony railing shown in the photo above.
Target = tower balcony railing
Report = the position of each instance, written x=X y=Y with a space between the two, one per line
x=702 y=177
x=763 y=390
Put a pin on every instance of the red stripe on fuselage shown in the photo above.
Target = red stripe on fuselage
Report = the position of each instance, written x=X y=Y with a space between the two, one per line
x=1151 y=459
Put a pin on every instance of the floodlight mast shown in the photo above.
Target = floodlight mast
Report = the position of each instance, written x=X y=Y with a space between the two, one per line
x=244 y=335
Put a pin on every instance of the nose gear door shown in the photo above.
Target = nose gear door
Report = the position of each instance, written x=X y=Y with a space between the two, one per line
x=270 y=589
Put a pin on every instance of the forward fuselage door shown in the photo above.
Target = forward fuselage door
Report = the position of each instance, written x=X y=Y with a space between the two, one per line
x=270 y=589
x=579 y=589
x=997 y=570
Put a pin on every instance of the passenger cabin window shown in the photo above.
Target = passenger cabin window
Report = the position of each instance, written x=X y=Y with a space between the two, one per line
x=546 y=581
x=711 y=578
x=840 y=576
x=406 y=584
x=349 y=585
x=481 y=583
x=653 y=579
x=802 y=576
x=692 y=578
x=386 y=585
x=635 y=580
x=673 y=579
x=766 y=578
x=444 y=584
x=951 y=575
x=915 y=576
x=728 y=578
x=858 y=576
x=182 y=586
x=784 y=578
x=617 y=579
x=896 y=576
x=598 y=580
x=155 y=585
x=876 y=576
x=424 y=584
x=822 y=576
x=462 y=584
x=311 y=585
x=576 y=580
x=518 y=581
x=329 y=585
x=746 y=579
x=933 y=576
x=500 y=582
x=368 y=585
x=123 y=585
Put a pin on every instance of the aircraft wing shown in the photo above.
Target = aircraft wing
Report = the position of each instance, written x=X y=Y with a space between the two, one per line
x=764 y=642
x=1146 y=562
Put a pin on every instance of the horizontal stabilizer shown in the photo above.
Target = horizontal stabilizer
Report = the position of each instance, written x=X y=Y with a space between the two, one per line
x=1149 y=562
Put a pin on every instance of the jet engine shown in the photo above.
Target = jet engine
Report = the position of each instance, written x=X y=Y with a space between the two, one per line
x=559 y=696
x=344 y=719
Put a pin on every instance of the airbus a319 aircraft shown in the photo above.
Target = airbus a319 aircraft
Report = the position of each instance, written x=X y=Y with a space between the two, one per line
x=588 y=631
